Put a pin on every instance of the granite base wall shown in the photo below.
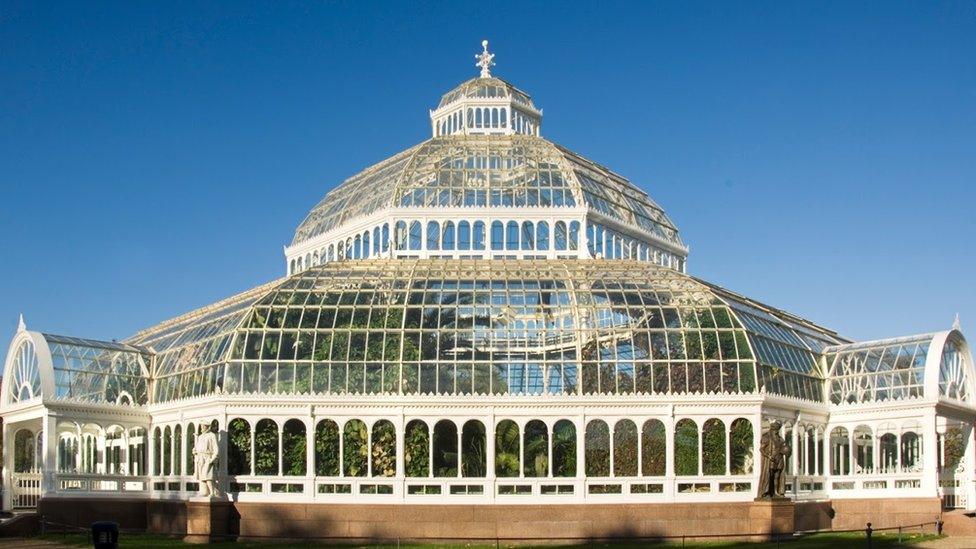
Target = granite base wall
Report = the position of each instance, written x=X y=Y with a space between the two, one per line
x=354 y=522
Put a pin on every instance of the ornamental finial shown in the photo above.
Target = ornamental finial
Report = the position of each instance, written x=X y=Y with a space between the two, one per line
x=956 y=325
x=21 y=326
x=485 y=60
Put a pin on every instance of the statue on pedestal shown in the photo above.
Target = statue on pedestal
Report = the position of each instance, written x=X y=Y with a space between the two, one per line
x=773 y=451
x=205 y=452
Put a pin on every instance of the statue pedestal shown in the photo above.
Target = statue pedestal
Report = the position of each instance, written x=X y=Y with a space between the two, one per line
x=772 y=516
x=208 y=520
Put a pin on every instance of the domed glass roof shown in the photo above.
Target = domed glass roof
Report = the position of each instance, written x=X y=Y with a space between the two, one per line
x=486 y=88
x=487 y=170
x=469 y=327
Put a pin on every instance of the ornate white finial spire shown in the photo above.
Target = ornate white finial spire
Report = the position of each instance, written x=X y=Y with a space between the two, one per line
x=21 y=327
x=485 y=60
x=956 y=325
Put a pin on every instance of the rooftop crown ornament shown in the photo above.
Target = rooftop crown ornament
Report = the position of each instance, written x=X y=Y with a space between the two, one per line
x=485 y=60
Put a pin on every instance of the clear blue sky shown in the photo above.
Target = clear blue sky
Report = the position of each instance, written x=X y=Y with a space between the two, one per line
x=155 y=157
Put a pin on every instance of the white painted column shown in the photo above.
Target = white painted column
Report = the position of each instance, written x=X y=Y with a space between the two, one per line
x=49 y=446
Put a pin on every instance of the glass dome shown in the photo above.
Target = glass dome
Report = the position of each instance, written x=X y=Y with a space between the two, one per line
x=486 y=88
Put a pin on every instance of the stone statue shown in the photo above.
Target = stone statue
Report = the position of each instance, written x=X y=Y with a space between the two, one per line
x=205 y=452
x=773 y=451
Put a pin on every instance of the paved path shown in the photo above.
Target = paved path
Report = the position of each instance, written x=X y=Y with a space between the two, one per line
x=951 y=542
x=32 y=543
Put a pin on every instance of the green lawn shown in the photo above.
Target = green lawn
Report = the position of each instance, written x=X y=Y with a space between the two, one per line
x=815 y=541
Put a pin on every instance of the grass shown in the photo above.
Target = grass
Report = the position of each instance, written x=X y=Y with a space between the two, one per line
x=813 y=541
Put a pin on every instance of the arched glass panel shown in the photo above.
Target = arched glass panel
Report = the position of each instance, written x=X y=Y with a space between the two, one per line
x=560 y=236
x=177 y=450
x=474 y=459
x=25 y=380
x=528 y=235
x=464 y=235
x=357 y=247
x=504 y=114
x=686 y=448
x=24 y=451
x=653 y=448
x=507 y=449
x=840 y=463
x=386 y=238
x=384 y=449
x=863 y=450
x=327 y=448
x=911 y=451
x=564 y=449
x=497 y=235
x=596 y=448
x=713 y=447
x=625 y=449
x=478 y=236
x=415 y=236
x=511 y=236
x=266 y=448
x=536 y=462
x=137 y=451
x=542 y=236
x=447 y=239
x=167 y=453
x=157 y=449
x=416 y=449
x=433 y=235
x=355 y=449
x=293 y=448
x=953 y=448
x=376 y=241
x=191 y=440
x=741 y=455
x=366 y=244
x=889 y=452
x=445 y=449
x=574 y=227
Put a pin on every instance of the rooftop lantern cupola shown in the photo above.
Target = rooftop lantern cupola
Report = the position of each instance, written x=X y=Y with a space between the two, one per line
x=485 y=105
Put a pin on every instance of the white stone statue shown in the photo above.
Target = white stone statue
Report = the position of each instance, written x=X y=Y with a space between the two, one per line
x=205 y=452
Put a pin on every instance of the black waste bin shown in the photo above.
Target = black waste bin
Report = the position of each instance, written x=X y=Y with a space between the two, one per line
x=105 y=534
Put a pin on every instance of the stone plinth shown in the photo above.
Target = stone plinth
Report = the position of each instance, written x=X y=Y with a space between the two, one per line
x=208 y=520
x=772 y=516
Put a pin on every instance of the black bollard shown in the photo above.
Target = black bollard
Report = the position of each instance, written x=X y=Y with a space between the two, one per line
x=867 y=532
x=105 y=535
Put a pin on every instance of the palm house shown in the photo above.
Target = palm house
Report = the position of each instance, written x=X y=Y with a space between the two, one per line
x=487 y=319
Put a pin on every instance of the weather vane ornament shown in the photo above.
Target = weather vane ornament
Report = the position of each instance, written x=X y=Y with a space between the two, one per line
x=485 y=60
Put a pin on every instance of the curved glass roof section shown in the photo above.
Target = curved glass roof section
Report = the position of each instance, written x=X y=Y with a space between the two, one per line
x=98 y=371
x=488 y=171
x=25 y=379
x=954 y=381
x=875 y=371
x=486 y=88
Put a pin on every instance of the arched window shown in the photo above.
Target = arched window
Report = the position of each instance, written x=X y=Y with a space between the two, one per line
x=596 y=447
x=25 y=451
x=266 y=447
x=433 y=235
x=889 y=453
x=331 y=252
x=503 y=118
x=507 y=449
x=291 y=269
x=564 y=449
x=416 y=239
x=863 y=450
x=68 y=452
x=713 y=447
x=478 y=236
x=536 y=460
x=494 y=118
x=355 y=449
x=416 y=449
x=470 y=117
x=741 y=456
x=528 y=235
x=167 y=453
x=349 y=249
x=293 y=448
x=177 y=450
x=137 y=451
x=386 y=238
x=653 y=448
x=357 y=246
x=384 y=449
x=445 y=449
x=542 y=236
x=157 y=449
x=327 y=448
x=497 y=235
x=560 y=236
x=625 y=449
x=686 y=448
x=473 y=447
x=840 y=463
x=464 y=235
x=447 y=238
x=366 y=244
x=191 y=439
x=574 y=228
x=477 y=118
x=911 y=451
x=512 y=236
